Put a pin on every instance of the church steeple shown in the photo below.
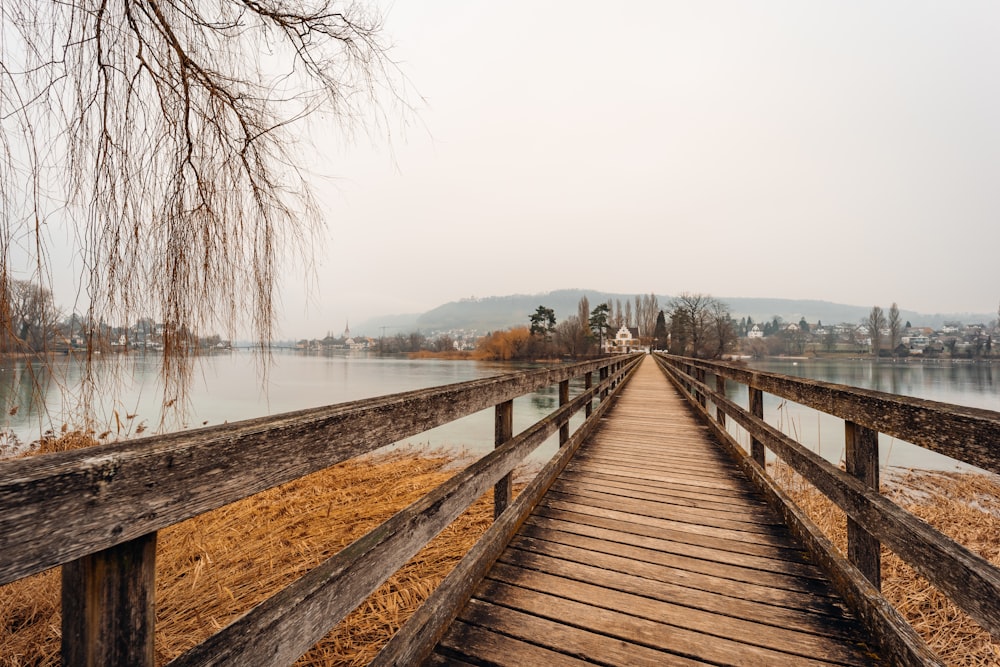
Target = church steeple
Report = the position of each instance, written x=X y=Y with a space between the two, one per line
x=347 y=329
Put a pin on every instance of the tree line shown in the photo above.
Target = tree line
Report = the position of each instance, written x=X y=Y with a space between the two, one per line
x=696 y=325
x=32 y=323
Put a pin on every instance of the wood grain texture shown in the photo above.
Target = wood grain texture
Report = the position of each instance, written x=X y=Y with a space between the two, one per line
x=652 y=548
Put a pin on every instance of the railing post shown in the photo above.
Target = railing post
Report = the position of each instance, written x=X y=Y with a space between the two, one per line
x=700 y=376
x=503 y=431
x=720 y=388
x=108 y=608
x=563 y=400
x=757 y=410
x=603 y=377
x=588 y=384
x=863 y=548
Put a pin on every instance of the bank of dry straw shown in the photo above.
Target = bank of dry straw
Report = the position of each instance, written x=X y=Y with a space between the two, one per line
x=217 y=566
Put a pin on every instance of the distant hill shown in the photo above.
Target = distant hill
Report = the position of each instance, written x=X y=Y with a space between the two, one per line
x=502 y=312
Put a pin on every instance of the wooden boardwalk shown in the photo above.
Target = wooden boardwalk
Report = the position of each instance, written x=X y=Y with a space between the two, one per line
x=653 y=549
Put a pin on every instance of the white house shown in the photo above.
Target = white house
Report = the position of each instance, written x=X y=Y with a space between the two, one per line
x=755 y=332
x=626 y=340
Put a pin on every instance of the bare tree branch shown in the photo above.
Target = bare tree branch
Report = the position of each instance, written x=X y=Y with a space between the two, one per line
x=163 y=133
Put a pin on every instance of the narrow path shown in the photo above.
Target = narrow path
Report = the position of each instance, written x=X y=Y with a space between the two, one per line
x=653 y=549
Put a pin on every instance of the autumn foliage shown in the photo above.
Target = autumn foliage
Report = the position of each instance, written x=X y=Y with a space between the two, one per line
x=515 y=343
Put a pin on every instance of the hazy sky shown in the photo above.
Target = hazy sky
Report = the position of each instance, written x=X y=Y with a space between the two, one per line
x=845 y=151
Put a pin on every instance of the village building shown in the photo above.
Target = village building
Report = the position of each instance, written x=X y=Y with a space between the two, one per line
x=625 y=340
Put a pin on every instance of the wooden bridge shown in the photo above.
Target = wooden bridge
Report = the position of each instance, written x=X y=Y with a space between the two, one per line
x=650 y=537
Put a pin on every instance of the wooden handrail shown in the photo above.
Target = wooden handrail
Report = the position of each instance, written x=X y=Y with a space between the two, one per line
x=971 y=581
x=97 y=510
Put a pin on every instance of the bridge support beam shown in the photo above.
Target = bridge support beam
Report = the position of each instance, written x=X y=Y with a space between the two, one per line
x=503 y=431
x=861 y=453
x=563 y=400
x=108 y=609
x=720 y=388
x=757 y=410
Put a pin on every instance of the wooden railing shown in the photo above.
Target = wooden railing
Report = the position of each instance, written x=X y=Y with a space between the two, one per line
x=966 y=434
x=96 y=512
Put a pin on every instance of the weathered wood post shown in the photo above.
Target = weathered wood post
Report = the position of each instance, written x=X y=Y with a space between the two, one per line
x=503 y=431
x=588 y=384
x=563 y=400
x=863 y=548
x=720 y=388
x=700 y=375
x=757 y=410
x=604 y=376
x=108 y=608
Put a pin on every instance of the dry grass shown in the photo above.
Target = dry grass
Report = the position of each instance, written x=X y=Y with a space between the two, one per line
x=964 y=506
x=215 y=567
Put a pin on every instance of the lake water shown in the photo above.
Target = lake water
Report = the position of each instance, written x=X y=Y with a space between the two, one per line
x=228 y=387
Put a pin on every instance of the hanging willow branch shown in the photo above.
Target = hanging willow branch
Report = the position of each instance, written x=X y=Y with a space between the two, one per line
x=161 y=133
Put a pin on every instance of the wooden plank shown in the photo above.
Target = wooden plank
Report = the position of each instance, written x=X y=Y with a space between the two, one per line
x=478 y=643
x=714 y=625
x=797 y=600
x=792 y=566
x=564 y=638
x=695 y=529
x=664 y=507
x=747 y=497
x=774 y=550
x=735 y=573
x=830 y=625
x=759 y=513
x=639 y=631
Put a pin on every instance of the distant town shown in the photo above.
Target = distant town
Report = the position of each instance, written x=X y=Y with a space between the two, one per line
x=689 y=324
x=697 y=325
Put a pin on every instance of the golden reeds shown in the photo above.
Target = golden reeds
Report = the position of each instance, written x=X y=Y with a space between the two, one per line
x=215 y=567
x=964 y=506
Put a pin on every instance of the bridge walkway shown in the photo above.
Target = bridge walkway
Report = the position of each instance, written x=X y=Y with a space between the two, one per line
x=652 y=548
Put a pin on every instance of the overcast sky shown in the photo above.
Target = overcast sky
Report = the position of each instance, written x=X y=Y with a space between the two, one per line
x=845 y=151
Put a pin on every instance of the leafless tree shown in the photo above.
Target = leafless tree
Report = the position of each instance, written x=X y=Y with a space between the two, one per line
x=875 y=322
x=691 y=320
x=33 y=316
x=722 y=332
x=895 y=326
x=165 y=135
x=648 y=312
x=570 y=336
